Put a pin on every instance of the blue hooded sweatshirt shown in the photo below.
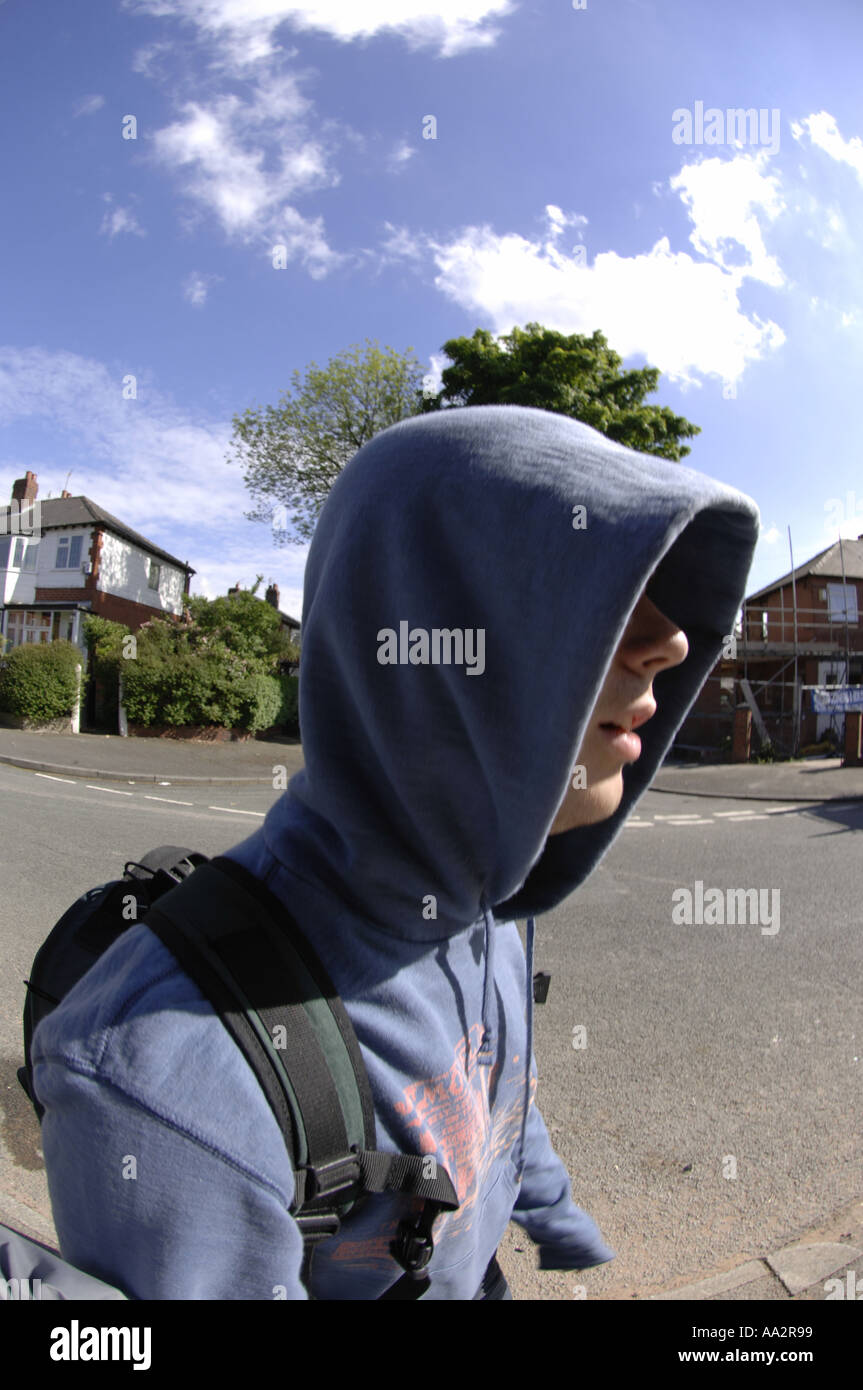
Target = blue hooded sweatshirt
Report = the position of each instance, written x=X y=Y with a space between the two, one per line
x=415 y=836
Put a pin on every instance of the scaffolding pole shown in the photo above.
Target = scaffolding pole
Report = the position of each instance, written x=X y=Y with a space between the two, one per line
x=795 y=745
x=845 y=610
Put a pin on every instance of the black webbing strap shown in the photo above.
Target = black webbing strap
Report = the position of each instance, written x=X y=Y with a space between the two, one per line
x=385 y=1172
x=223 y=939
x=282 y=927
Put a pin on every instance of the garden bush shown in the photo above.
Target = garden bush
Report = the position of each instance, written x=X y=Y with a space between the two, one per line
x=38 y=680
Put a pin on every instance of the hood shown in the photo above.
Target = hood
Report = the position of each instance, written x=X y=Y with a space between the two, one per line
x=426 y=779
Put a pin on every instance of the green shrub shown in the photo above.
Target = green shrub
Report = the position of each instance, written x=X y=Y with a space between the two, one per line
x=288 y=714
x=263 y=697
x=211 y=666
x=104 y=639
x=38 y=680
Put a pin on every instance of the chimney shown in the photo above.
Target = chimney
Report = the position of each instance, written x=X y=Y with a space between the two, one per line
x=64 y=493
x=273 y=595
x=235 y=590
x=25 y=489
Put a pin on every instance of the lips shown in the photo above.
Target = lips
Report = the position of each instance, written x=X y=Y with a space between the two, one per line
x=625 y=743
x=633 y=719
x=621 y=735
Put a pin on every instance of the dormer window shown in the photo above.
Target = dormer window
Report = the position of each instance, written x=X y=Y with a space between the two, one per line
x=68 y=552
x=155 y=572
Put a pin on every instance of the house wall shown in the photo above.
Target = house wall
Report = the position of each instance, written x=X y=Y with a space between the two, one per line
x=123 y=571
x=813 y=614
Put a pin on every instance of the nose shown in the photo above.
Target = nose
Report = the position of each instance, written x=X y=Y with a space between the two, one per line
x=652 y=641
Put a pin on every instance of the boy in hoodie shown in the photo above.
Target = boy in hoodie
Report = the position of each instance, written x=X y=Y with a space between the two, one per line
x=494 y=598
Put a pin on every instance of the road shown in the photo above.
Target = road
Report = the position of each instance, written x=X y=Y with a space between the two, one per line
x=715 y=1106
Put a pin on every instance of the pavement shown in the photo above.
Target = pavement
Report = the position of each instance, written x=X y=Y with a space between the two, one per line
x=245 y=762
x=799 y=1271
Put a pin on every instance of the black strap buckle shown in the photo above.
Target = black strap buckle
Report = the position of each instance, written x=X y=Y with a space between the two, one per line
x=413 y=1246
x=318 y=1227
x=541 y=982
x=326 y=1178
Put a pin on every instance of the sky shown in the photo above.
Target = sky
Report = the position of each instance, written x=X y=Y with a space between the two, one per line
x=584 y=169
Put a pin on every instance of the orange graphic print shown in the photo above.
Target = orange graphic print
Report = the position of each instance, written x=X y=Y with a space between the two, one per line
x=451 y=1116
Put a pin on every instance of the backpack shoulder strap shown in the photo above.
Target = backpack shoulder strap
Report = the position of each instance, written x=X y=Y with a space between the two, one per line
x=245 y=951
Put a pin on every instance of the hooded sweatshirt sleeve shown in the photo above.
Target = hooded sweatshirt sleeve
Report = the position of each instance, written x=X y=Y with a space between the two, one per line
x=167 y=1172
x=566 y=1236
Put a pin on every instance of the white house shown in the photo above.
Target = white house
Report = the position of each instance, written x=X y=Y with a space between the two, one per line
x=65 y=558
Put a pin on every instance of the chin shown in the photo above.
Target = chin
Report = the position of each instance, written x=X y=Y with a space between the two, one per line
x=607 y=796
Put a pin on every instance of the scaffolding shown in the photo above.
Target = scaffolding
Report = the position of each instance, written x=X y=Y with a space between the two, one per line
x=765 y=635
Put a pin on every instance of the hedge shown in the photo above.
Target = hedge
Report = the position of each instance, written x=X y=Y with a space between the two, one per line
x=288 y=714
x=192 y=688
x=38 y=680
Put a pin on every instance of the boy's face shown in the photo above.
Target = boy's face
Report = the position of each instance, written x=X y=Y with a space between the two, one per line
x=650 y=644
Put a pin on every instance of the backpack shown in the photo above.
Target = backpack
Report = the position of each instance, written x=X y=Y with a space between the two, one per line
x=248 y=957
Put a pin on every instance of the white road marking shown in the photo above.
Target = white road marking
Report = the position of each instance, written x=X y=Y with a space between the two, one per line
x=112 y=790
x=689 y=815
x=169 y=799
x=232 y=811
x=51 y=778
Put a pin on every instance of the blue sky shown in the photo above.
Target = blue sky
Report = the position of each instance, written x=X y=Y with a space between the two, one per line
x=555 y=190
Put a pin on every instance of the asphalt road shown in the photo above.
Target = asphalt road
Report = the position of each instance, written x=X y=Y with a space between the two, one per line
x=715 y=1108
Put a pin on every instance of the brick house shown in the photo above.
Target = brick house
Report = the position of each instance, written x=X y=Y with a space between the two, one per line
x=829 y=648
x=63 y=559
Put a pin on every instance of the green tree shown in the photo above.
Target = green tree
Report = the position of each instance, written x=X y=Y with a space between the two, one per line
x=292 y=453
x=574 y=375
x=245 y=624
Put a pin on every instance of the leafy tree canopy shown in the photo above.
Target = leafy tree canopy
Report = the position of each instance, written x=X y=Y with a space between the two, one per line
x=292 y=453
x=572 y=375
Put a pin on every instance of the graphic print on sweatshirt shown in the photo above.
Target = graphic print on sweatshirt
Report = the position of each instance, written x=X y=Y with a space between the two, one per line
x=449 y=1116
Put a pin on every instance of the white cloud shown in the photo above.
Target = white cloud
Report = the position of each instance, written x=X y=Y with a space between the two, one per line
x=145 y=60
x=241 y=161
x=682 y=314
x=196 y=287
x=399 y=157
x=245 y=29
x=159 y=469
x=247 y=160
x=400 y=244
x=433 y=380
x=823 y=132
x=721 y=197
x=87 y=105
x=770 y=537
x=120 y=220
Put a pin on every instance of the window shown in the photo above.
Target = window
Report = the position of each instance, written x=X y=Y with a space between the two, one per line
x=4 y=551
x=24 y=554
x=68 y=552
x=38 y=625
x=155 y=571
x=843 y=602
x=29 y=626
